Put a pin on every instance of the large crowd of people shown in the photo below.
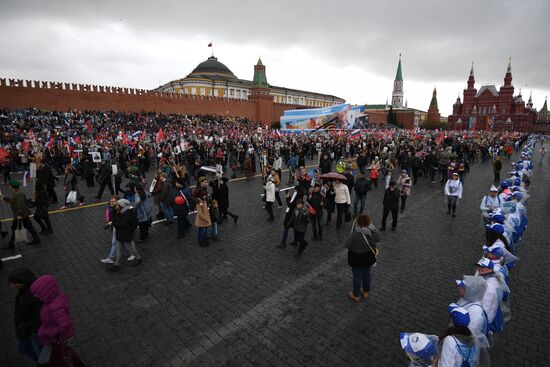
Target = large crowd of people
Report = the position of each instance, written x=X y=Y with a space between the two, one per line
x=181 y=165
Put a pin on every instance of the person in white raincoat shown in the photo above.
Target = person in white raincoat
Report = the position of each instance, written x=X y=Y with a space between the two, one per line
x=453 y=191
x=459 y=347
x=496 y=287
x=472 y=289
x=420 y=348
x=490 y=203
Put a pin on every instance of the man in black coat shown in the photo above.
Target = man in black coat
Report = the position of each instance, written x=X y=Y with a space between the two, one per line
x=104 y=178
x=27 y=313
x=391 y=204
x=220 y=192
x=45 y=175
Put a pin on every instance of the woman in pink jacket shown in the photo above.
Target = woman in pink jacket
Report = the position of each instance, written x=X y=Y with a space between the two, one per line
x=56 y=325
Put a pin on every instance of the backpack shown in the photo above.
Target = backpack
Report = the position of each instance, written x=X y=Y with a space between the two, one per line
x=467 y=353
x=498 y=322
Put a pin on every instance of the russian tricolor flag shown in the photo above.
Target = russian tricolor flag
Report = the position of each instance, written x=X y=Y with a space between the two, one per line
x=355 y=134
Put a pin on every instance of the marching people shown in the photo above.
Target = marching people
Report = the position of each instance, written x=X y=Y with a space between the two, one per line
x=125 y=223
x=269 y=197
x=70 y=185
x=497 y=167
x=220 y=192
x=342 y=200
x=362 y=187
x=27 y=313
x=182 y=198
x=291 y=205
x=144 y=213
x=45 y=175
x=56 y=331
x=390 y=204
x=165 y=199
x=315 y=205
x=214 y=215
x=362 y=254
x=298 y=221
x=105 y=179
x=202 y=219
x=109 y=216
x=41 y=202
x=453 y=191
x=404 y=186
x=21 y=213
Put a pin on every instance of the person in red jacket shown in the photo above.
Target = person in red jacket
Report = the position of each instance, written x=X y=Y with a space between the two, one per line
x=56 y=325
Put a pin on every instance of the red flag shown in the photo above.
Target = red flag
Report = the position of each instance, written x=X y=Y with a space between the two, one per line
x=143 y=135
x=124 y=138
x=3 y=154
x=26 y=145
x=160 y=136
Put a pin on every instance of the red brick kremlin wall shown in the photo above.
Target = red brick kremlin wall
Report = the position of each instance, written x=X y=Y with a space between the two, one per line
x=19 y=94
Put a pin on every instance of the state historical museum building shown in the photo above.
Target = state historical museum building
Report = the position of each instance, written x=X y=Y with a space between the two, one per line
x=492 y=109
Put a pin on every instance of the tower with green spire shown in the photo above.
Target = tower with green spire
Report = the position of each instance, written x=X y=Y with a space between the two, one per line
x=261 y=96
x=397 y=94
x=260 y=80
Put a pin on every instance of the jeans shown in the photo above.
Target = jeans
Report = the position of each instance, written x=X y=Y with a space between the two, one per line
x=285 y=235
x=30 y=346
x=361 y=279
x=359 y=199
x=167 y=211
x=214 y=231
x=112 y=253
x=130 y=246
x=202 y=233
x=451 y=203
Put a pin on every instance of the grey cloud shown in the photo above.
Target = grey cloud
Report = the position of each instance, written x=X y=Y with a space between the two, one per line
x=438 y=39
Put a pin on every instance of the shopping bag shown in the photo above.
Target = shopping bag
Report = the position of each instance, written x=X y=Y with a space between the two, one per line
x=21 y=233
x=71 y=198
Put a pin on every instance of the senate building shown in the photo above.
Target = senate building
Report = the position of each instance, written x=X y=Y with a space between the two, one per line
x=213 y=78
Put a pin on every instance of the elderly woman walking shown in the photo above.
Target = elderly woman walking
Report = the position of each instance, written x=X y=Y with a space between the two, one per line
x=362 y=253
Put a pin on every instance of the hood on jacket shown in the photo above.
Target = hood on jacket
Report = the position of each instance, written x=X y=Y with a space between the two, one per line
x=21 y=276
x=124 y=205
x=46 y=288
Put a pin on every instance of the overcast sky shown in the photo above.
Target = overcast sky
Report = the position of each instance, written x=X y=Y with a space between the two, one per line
x=346 y=48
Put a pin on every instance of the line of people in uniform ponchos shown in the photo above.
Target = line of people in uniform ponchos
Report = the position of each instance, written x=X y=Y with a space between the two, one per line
x=483 y=307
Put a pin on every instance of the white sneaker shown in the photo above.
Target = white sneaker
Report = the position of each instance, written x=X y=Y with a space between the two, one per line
x=107 y=260
x=131 y=258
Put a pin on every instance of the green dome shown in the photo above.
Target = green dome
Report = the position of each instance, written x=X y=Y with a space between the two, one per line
x=212 y=67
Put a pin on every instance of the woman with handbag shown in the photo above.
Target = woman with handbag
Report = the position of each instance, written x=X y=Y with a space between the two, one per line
x=56 y=331
x=70 y=183
x=362 y=254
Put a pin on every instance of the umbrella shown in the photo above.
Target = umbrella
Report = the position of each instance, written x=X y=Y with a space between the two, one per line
x=333 y=176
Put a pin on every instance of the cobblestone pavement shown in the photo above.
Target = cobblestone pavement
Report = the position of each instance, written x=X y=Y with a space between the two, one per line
x=242 y=302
